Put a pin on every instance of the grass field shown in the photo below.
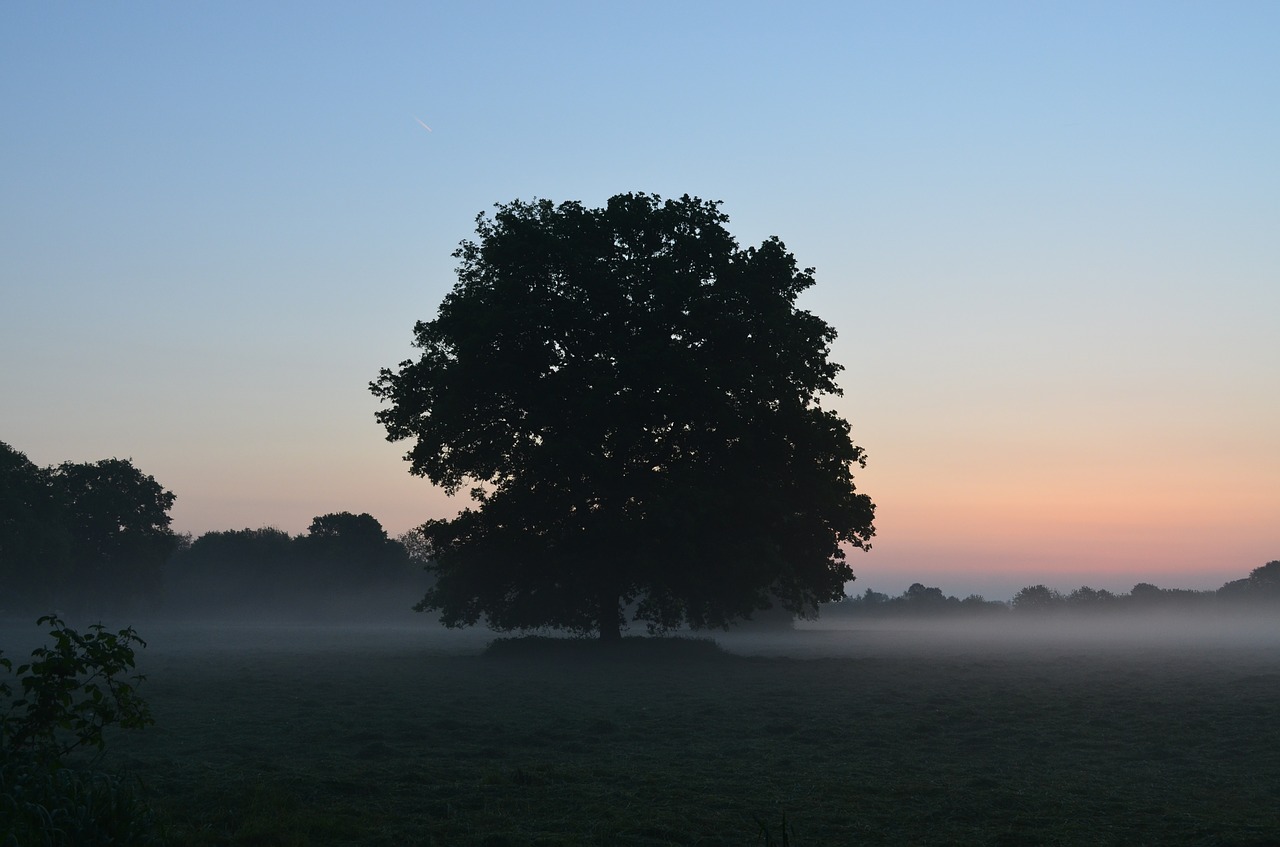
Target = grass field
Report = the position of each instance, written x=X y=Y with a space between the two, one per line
x=400 y=736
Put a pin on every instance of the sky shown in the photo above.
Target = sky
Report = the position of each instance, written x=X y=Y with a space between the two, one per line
x=1045 y=232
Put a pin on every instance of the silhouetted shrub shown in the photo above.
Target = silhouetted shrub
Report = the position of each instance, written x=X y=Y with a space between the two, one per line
x=67 y=807
x=67 y=695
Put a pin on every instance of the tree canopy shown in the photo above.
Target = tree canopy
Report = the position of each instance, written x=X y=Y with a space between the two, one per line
x=80 y=534
x=35 y=544
x=634 y=402
x=344 y=566
x=119 y=518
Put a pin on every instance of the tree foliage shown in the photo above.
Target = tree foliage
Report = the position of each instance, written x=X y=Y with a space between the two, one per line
x=35 y=543
x=71 y=691
x=67 y=695
x=334 y=569
x=246 y=569
x=81 y=534
x=118 y=517
x=635 y=404
x=345 y=549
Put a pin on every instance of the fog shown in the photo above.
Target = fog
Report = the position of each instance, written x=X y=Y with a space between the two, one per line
x=1019 y=634
x=406 y=632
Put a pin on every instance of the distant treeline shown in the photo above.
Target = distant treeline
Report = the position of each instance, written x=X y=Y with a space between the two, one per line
x=345 y=564
x=1260 y=588
x=93 y=538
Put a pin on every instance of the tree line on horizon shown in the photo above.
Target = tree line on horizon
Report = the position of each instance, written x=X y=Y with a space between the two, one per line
x=94 y=538
x=635 y=403
x=344 y=564
x=1261 y=586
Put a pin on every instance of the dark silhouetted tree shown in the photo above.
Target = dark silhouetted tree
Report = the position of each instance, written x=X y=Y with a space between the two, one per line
x=118 y=519
x=873 y=598
x=1265 y=581
x=1085 y=597
x=246 y=569
x=976 y=603
x=346 y=550
x=922 y=596
x=35 y=545
x=634 y=402
x=1036 y=598
x=1262 y=585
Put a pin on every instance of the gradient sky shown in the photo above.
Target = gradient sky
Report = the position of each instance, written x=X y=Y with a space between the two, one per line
x=1048 y=234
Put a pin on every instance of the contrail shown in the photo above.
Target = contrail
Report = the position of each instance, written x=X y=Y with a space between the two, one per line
x=424 y=126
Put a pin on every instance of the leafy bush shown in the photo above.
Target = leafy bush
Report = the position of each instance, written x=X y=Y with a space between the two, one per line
x=52 y=807
x=67 y=695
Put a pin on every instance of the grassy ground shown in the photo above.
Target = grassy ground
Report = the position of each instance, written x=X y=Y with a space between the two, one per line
x=362 y=737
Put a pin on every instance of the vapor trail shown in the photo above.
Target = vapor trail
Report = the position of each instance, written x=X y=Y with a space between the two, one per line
x=424 y=126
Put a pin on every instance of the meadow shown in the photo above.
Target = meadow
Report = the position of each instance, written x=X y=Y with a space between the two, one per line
x=401 y=735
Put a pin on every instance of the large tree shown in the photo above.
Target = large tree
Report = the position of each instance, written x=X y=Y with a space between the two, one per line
x=118 y=518
x=35 y=545
x=634 y=402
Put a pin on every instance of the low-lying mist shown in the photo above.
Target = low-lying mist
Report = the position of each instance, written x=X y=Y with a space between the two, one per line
x=407 y=632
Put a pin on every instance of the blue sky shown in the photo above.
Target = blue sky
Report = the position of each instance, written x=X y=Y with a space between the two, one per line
x=1045 y=232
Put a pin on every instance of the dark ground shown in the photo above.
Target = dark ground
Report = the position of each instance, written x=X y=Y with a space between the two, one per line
x=395 y=736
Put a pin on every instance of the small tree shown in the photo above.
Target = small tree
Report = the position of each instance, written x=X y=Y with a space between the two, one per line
x=635 y=404
x=70 y=692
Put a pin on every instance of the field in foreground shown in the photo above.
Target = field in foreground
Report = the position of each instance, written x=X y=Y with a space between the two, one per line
x=284 y=736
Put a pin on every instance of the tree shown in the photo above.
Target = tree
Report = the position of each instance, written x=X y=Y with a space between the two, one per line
x=35 y=546
x=118 y=518
x=245 y=569
x=922 y=596
x=635 y=404
x=66 y=697
x=351 y=551
x=1265 y=581
x=1090 y=598
x=1036 y=598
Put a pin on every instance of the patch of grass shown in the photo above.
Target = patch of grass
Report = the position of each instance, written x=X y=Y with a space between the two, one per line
x=69 y=807
x=388 y=745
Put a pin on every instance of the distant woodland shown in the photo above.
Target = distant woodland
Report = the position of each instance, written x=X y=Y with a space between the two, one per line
x=1260 y=588
x=94 y=539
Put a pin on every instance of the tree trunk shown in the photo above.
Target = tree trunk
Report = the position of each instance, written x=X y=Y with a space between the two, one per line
x=610 y=627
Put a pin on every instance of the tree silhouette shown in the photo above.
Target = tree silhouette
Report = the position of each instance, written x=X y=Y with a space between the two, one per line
x=634 y=402
x=118 y=518
x=1036 y=598
x=249 y=569
x=35 y=546
x=341 y=549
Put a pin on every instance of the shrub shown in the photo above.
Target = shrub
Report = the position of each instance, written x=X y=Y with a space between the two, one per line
x=68 y=807
x=67 y=695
